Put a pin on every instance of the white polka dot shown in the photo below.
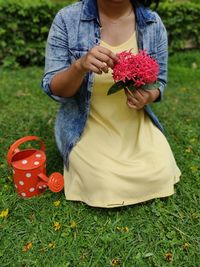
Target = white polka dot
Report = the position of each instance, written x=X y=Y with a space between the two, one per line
x=13 y=171
x=24 y=161
x=21 y=182
x=32 y=189
x=28 y=175
x=23 y=194
x=15 y=186
x=36 y=163
x=38 y=155
x=44 y=186
x=40 y=187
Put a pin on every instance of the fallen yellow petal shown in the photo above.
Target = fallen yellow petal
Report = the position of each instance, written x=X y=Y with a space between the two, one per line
x=57 y=226
x=10 y=178
x=168 y=256
x=4 y=213
x=193 y=168
x=56 y=203
x=73 y=224
x=125 y=229
x=52 y=245
x=115 y=262
x=183 y=89
x=27 y=246
x=186 y=246
x=188 y=149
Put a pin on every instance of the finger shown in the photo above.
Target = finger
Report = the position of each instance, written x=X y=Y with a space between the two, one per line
x=142 y=92
x=133 y=100
x=94 y=69
x=104 y=58
x=128 y=92
x=100 y=65
x=131 y=105
x=130 y=95
x=107 y=52
x=105 y=68
x=139 y=96
x=103 y=55
x=141 y=99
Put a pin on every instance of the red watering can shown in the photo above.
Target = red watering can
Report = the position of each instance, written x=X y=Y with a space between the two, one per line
x=29 y=169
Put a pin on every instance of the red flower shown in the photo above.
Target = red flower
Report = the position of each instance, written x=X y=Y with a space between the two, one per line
x=134 y=71
x=139 y=68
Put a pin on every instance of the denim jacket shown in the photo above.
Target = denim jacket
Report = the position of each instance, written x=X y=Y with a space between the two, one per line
x=74 y=31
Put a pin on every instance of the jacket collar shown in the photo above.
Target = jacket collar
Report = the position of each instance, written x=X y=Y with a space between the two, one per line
x=143 y=15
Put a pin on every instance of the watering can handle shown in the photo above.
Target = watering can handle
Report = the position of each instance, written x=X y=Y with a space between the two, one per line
x=14 y=147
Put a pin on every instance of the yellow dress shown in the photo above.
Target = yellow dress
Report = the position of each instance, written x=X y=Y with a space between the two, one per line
x=122 y=158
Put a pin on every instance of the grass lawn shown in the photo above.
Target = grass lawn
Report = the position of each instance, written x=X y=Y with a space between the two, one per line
x=49 y=231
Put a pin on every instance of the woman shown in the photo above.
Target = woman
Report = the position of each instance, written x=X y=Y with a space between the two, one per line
x=113 y=147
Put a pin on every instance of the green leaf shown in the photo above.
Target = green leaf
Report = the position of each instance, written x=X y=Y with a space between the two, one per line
x=116 y=87
x=151 y=86
x=131 y=87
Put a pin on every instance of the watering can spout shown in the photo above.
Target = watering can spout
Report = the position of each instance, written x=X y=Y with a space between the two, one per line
x=55 y=182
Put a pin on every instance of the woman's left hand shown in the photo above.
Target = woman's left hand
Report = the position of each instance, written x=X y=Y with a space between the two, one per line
x=138 y=98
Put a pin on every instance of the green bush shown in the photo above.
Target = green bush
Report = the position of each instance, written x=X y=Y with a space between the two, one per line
x=182 y=23
x=25 y=25
x=24 y=28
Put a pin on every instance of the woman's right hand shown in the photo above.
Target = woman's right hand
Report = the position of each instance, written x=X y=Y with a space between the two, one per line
x=99 y=59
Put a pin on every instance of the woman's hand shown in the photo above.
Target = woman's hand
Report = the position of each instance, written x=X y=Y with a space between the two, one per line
x=99 y=59
x=66 y=83
x=138 y=98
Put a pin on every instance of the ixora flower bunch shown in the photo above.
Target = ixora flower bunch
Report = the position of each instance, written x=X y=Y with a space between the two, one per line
x=133 y=71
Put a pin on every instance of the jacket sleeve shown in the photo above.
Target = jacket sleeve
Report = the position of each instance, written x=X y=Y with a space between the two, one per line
x=162 y=56
x=56 y=55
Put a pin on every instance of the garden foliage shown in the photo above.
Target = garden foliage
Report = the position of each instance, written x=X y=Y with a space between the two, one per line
x=25 y=25
x=24 y=29
x=182 y=21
